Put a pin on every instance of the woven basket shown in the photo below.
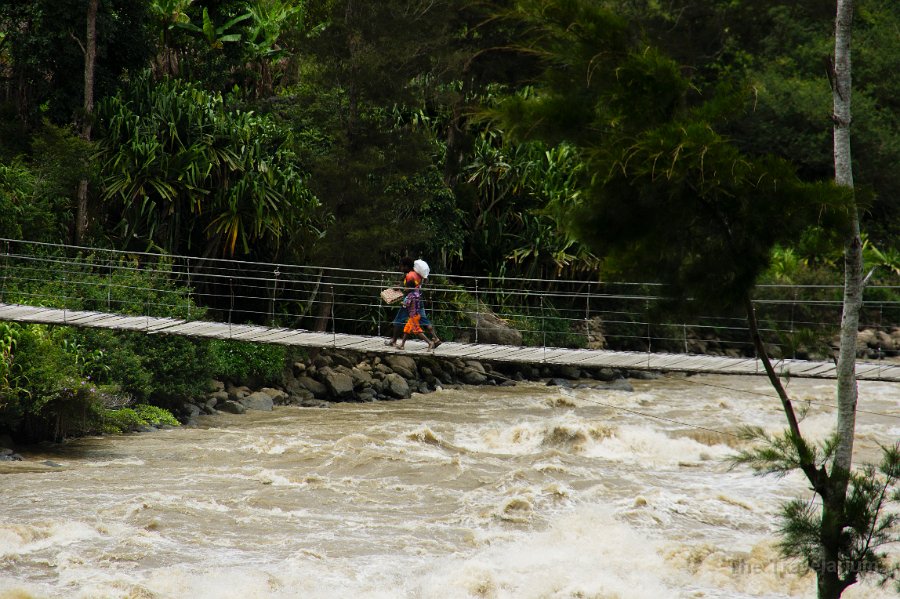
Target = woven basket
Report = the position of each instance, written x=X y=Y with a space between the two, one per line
x=391 y=296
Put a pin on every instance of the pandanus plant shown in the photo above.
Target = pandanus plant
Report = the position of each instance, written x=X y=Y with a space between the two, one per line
x=181 y=172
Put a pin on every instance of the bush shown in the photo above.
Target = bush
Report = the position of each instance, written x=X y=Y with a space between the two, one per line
x=154 y=368
x=242 y=361
x=50 y=378
x=179 y=367
x=159 y=369
x=114 y=422
x=155 y=416
x=26 y=212
x=122 y=420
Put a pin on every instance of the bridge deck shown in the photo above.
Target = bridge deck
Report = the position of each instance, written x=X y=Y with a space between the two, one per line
x=499 y=353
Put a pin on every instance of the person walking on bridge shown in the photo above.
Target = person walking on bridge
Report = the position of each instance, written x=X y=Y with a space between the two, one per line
x=415 y=272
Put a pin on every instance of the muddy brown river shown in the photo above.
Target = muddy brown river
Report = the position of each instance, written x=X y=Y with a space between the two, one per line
x=522 y=492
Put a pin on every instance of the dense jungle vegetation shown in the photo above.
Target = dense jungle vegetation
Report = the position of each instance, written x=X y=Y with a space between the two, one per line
x=492 y=137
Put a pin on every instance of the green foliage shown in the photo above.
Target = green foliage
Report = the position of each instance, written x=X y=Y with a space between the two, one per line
x=788 y=111
x=269 y=19
x=48 y=389
x=780 y=454
x=90 y=362
x=180 y=368
x=28 y=210
x=240 y=361
x=42 y=394
x=16 y=197
x=668 y=193
x=518 y=194
x=805 y=329
x=365 y=76
x=35 y=195
x=64 y=411
x=160 y=369
x=45 y=40
x=45 y=392
x=548 y=330
x=122 y=420
x=866 y=521
x=156 y=369
x=265 y=45
x=685 y=203
x=91 y=283
x=13 y=384
x=115 y=422
x=43 y=366
x=184 y=173
x=868 y=524
x=887 y=259
x=387 y=161
x=155 y=415
x=215 y=36
x=125 y=359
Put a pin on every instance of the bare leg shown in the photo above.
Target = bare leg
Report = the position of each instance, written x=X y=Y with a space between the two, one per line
x=402 y=342
x=426 y=340
x=398 y=330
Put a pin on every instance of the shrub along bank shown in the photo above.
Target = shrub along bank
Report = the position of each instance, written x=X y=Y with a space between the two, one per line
x=58 y=382
x=64 y=399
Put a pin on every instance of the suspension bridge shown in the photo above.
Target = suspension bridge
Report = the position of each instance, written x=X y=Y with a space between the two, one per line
x=554 y=322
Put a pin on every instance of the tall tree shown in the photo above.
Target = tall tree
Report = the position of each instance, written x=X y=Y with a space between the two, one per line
x=359 y=104
x=90 y=60
x=831 y=578
x=669 y=194
x=840 y=543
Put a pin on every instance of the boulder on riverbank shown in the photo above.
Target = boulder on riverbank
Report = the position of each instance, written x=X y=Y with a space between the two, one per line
x=874 y=344
x=348 y=376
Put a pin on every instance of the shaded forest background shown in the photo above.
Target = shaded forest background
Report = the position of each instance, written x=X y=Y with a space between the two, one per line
x=349 y=133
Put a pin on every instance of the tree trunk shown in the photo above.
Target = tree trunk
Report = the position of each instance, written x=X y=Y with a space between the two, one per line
x=90 y=59
x=326 y=310
x=830 y=583
x=843 y=175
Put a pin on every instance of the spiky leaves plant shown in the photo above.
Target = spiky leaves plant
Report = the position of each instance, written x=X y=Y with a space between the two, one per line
x=184 y=173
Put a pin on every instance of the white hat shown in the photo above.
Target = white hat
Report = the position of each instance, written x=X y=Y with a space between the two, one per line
x=421 y=267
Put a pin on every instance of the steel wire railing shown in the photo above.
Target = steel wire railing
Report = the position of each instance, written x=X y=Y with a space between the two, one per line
x=565 y=313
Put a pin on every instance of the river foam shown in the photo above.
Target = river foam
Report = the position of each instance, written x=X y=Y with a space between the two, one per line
x=502 y=493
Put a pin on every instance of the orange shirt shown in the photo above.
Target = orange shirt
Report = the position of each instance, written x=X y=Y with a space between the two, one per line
x=412 y=279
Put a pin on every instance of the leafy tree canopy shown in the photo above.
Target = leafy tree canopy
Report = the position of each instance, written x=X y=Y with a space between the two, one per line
x=664 y=191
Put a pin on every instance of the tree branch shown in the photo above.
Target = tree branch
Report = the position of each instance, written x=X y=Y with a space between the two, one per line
x=817 y=477
x=78 y=41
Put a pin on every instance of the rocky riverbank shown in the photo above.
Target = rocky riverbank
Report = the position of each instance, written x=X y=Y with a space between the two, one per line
x=343 y=375
x=346 y=376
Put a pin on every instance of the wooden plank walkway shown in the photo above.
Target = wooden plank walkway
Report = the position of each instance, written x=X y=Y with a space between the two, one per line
x=874 y=371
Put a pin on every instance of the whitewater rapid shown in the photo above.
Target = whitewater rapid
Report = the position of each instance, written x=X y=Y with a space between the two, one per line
x=521 y=492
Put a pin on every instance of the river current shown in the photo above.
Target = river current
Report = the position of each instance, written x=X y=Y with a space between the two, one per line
x=496 y=492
